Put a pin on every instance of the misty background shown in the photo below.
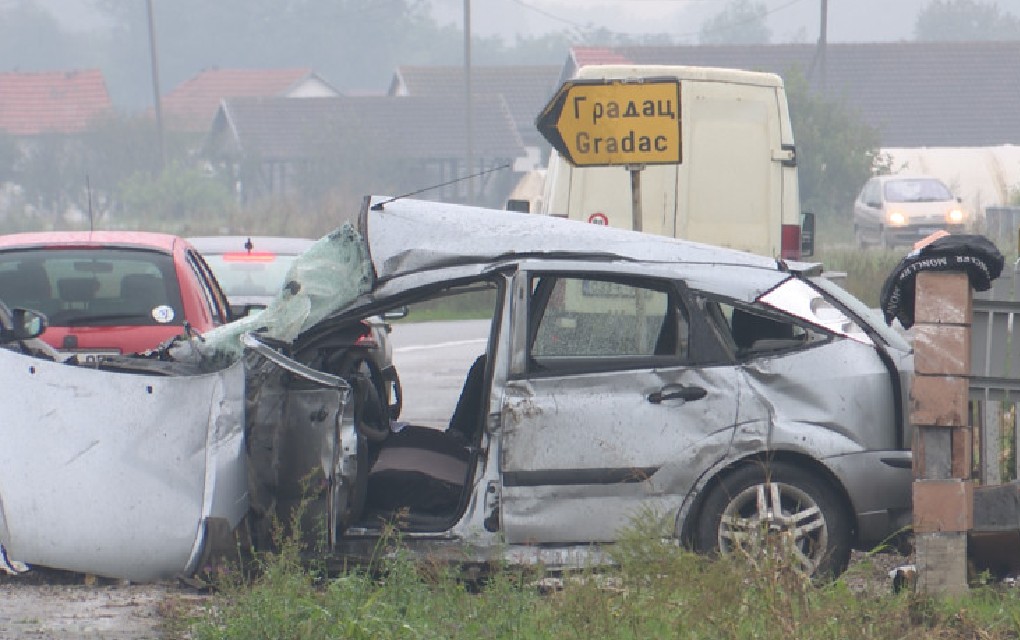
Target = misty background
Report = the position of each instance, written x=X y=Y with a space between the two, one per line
x=356 y=44
x=124 y=171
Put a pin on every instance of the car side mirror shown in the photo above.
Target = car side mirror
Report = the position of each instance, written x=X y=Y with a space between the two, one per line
x=25 y=325
x=396 y=314
x=807 y=234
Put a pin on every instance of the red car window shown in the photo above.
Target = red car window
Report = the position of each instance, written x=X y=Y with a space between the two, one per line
x=93 y=287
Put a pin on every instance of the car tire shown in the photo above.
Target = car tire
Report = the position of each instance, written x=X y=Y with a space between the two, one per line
x=812 y=528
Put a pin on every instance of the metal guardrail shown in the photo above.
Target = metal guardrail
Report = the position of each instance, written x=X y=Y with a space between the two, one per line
x=995 y=378
x=1002 y=222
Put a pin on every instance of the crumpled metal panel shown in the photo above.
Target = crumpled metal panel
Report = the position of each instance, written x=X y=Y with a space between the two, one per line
x=410 y=235
x=832 y=399
x=114 y=474
x=302 y=443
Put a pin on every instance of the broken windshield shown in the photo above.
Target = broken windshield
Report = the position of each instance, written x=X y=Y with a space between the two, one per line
x=328 y=276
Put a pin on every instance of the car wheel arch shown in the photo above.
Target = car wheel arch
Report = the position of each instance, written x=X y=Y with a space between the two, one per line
x=692 y=509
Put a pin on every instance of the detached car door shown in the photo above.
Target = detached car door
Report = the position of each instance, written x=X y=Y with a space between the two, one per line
x=608 y=412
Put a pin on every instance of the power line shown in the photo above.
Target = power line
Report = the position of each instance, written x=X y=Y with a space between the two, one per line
x=578 y=25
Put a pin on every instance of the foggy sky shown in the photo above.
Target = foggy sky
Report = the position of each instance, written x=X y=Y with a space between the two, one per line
x=789 y=20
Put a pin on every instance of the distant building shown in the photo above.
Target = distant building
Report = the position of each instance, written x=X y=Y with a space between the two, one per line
x=525 y=88
x=51 y=102
x=191 y=106
x=281 y=146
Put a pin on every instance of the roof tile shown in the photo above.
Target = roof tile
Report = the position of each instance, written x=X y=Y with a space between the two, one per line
x=51 y=101
x=193 y=103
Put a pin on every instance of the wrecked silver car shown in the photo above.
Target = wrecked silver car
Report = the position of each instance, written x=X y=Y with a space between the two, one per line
x=623 y=376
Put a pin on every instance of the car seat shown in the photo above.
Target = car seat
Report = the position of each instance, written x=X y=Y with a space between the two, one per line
x=77 y=292
x=748 y=328
x=141 y=293
x=27 y=286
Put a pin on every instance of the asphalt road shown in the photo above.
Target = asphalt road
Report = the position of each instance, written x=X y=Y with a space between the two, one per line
x=432 y=359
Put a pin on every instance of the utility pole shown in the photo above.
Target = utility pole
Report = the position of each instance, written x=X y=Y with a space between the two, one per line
x=468 y=108
x=823 y=37
x=155 y=86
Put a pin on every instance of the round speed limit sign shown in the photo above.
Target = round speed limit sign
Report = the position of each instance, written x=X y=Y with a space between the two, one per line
x=599 y=219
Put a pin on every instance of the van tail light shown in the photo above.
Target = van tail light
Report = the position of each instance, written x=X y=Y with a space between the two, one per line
x=790 y=239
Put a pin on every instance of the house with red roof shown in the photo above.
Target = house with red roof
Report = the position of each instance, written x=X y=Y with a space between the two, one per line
x=51 y=102
x=191 y=106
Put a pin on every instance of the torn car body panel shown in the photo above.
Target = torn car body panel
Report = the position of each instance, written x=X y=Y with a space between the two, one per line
x=117 y=474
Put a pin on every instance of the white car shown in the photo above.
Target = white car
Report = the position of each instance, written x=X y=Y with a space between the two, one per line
x=901 y=209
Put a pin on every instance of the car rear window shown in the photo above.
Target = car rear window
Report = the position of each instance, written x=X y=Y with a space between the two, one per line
x=93 y=287
x=250 y=274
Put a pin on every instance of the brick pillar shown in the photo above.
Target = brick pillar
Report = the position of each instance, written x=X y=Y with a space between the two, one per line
x=943 y=491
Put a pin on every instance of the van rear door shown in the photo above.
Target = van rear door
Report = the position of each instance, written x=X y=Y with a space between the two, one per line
x=730 y=192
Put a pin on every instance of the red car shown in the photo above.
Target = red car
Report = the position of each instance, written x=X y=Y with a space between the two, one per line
x=110 y=292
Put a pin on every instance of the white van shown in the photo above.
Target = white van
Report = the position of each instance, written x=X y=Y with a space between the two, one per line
x=736 y=185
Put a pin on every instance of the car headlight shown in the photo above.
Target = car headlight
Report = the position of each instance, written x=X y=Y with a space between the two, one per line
x=896 y=218
x=955 y=215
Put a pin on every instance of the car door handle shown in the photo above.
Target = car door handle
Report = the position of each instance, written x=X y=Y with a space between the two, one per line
x=674 y=391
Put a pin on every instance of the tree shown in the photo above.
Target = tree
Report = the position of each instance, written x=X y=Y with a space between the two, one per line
x=947 y=20
x=835 y=148
x=9 y=156
x=740 y=22
x=32 y=40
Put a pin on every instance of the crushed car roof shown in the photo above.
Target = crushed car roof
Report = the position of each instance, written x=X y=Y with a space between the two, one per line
x=406 y=236
x=399 y=237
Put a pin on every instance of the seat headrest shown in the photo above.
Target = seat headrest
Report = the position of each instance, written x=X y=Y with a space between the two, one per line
x=77 y=289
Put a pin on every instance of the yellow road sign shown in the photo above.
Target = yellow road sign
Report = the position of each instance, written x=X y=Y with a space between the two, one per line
x=614 y=122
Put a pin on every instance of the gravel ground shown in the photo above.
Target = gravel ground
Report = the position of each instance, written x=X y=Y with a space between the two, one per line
x=44 y=604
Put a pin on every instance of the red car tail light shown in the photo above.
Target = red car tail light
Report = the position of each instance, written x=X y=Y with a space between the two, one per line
x=252 y=256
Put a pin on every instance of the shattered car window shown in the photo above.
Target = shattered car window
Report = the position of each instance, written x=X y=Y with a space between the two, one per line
x=753 y=331
x=593 y=317
x=800 y=299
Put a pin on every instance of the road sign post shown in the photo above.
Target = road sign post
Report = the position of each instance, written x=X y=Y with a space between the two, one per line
x=599 y=123
x=629 y=123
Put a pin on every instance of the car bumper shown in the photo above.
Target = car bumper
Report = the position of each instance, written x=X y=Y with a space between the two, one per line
x=879 y=485
x=913 y=233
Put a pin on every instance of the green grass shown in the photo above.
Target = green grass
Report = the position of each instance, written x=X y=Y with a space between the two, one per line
x=477 y=305
x=657 y=590
x=866 y=271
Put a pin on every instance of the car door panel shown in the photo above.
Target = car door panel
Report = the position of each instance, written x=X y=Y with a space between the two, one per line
x=583 y=445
